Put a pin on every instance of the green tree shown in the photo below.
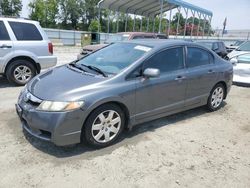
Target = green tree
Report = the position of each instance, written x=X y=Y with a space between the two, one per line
x=70 y=12
x=45 y=12
x=11 y=7
x=93 y=26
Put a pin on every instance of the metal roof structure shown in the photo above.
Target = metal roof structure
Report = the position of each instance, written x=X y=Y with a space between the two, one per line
x=148 y=8
x=153 y=8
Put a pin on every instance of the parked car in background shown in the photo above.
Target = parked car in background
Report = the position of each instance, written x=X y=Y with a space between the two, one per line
x=119 y=86
x=118 y=37
x=234 y=46
x=24 y=50
x=217 y=46
x=242 y=49
x=241 y=66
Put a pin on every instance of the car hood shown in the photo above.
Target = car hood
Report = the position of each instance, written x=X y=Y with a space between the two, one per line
x=64 y=84
x=236 y=53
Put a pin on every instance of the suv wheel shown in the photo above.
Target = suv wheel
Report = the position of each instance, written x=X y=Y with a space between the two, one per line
x=104 y=125
x=216 y=97
x=19 y=72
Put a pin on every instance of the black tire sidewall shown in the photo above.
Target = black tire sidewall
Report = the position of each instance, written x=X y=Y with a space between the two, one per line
x=13 y=65
x=209 y=103
x=87 y=127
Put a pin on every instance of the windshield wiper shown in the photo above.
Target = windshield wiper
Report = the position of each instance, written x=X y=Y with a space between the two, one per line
x=96 y=69
x=73 y=64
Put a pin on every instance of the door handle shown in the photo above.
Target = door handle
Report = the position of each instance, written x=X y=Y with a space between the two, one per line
x=5 y=46
x=178 y=78
x=210 y=71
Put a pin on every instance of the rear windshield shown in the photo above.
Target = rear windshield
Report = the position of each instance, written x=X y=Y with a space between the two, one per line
x=25 y=31
x=208 y=45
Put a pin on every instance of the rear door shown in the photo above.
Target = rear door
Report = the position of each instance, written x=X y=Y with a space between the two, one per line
x=201 y=75
x=28 y=38
x=6 y=46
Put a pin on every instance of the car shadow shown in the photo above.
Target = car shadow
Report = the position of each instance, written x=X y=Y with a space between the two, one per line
x=126 y=139
x=241 y=84
x=4 y=83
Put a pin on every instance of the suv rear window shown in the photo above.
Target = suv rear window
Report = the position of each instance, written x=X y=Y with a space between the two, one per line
x=3 y=32
x=25 y=31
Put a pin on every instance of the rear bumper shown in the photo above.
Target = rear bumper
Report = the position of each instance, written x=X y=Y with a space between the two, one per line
x=61 y=128
x=47 y=61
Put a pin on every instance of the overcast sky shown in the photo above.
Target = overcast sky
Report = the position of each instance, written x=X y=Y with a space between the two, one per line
x=236 y=11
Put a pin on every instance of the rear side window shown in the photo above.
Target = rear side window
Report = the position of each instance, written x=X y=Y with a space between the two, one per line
x=3 y=32
x=198 y=57
x=25 y=31
x=167 y=60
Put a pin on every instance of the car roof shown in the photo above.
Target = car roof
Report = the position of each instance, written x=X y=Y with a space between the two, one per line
x=160 y=43
x=23 y=20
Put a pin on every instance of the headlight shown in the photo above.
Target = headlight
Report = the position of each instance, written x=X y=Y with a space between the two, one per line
x=59 y=106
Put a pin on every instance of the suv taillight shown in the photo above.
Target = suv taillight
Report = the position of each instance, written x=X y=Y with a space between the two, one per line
x=50 y=46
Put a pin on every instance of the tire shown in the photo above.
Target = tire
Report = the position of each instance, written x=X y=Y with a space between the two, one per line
x=19 y=72
x=216 y=97
x=98 y=130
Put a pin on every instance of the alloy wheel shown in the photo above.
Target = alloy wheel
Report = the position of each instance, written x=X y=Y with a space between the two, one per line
x=22 y=73
x=106 y=126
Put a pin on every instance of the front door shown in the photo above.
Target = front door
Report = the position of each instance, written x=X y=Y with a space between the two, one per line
x=155 y=96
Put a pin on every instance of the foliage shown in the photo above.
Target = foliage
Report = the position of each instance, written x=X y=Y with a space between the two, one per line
x=11 y=7
x=44 y=11
x=93 y=27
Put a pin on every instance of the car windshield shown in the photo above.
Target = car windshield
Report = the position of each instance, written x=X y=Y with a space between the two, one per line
x=244 y=47
x=117 y=38
x=237 y=43
x=115 y=57
x=208 y=45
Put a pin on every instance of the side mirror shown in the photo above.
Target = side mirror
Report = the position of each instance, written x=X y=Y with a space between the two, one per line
x=151 y=73
x=234 y=61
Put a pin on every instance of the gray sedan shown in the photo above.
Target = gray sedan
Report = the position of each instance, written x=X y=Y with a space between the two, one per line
x=94 y=99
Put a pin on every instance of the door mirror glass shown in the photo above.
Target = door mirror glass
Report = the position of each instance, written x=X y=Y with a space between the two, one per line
x=151 y=73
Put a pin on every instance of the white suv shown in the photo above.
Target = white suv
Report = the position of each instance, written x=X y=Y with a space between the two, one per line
x=24 y=50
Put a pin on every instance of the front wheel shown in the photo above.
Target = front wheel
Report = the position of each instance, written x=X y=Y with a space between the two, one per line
x=104 y=125
x=216 y=97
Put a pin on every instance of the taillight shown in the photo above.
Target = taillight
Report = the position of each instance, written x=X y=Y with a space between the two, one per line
x=50 y=46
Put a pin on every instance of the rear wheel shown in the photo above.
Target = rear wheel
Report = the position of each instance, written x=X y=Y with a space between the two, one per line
x=216 y=97
x=19 y=72
x=104 y=125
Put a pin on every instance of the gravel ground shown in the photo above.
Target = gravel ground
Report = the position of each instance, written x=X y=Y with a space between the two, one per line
x=190 y=149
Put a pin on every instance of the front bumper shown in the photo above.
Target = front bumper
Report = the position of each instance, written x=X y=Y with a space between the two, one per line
x=241 y=79
x=61 y=128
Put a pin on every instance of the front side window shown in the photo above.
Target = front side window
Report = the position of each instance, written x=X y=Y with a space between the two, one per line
x=198 y=57
x=25 y=31
x=167 y=60
x=3 y=32
x=115 y=57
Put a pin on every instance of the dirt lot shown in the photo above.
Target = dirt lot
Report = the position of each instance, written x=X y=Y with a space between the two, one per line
x=191 y=149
